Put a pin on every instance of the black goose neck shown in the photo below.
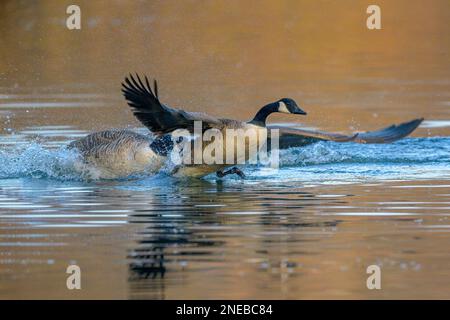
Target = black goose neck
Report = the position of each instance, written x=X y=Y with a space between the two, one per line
x=263 y=113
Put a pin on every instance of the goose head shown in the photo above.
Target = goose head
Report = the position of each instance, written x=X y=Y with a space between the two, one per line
x=285 y=105
x=288 y=105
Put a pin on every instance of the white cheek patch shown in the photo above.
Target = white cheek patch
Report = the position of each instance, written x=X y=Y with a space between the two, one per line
x=282 y=107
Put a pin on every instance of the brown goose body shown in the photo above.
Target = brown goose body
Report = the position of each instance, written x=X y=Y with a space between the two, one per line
x=118 y=153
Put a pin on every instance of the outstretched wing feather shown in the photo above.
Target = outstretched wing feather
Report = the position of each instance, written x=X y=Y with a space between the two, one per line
x=293 y=137
x=157 y=117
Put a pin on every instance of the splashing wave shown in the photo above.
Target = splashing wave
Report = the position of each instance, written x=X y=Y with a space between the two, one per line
x=35 y=161
x=412 y=150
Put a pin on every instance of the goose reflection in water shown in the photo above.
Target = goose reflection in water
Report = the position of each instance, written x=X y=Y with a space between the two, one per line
x=174 y=246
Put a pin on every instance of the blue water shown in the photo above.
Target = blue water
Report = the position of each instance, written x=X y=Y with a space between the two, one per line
x=323 y=162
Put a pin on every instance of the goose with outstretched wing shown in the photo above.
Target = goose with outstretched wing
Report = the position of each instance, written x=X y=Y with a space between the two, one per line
x=161 y=119
x=119 y=153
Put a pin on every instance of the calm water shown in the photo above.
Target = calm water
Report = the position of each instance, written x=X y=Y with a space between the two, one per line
x=308 y=230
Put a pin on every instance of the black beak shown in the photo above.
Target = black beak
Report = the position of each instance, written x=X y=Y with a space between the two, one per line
x=299 y=111
x=292 y=106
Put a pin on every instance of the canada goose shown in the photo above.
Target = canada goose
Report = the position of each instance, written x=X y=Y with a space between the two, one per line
x=119 y=153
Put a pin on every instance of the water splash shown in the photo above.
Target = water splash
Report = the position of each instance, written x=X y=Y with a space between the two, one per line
x=412 y=155
x=35 y=161
x=409 y=151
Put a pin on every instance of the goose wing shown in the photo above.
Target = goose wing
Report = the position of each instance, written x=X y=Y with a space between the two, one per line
x=157 y=117
x=388 y=134
x=293 y=137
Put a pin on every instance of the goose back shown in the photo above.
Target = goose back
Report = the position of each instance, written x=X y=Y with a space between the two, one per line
x=118 y=153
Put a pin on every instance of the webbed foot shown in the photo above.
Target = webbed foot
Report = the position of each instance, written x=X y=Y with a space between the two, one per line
x=233 y=170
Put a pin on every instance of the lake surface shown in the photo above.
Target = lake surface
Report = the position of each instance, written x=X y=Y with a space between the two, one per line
x=308 y=230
